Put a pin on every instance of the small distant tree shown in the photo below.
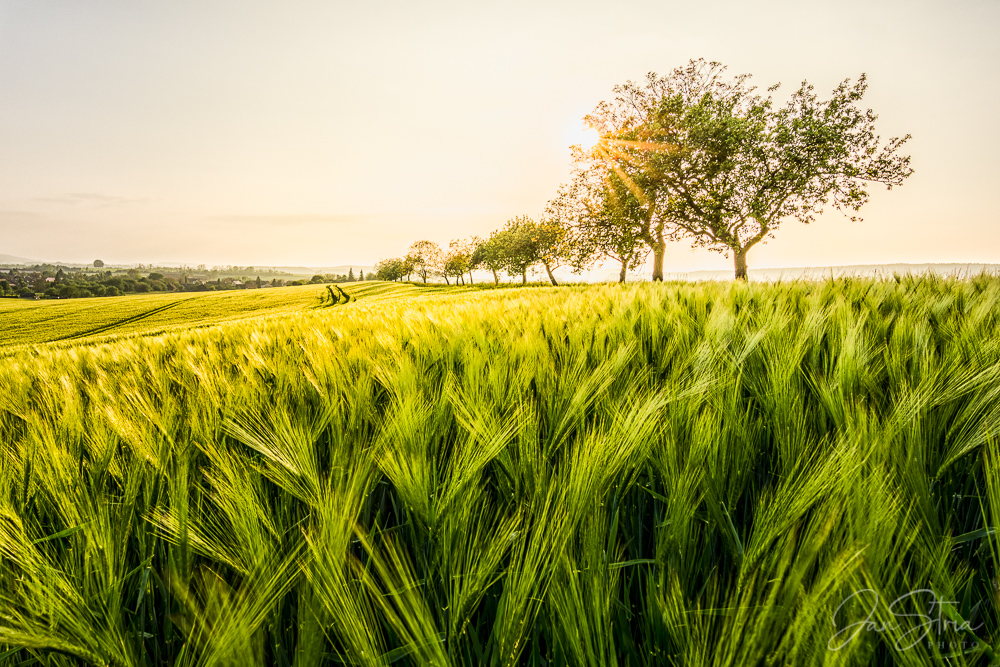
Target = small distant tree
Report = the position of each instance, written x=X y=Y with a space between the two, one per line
x=98 y=264
x=457 y=261
x=259 y=283
x=350 y=274
x=518 y=246
x=475 y=259
x=523 y=243
x=552 y=241
x=408 y=265
x=490 y=253
x=389 y=269
x=361 y=275
x=427 y=258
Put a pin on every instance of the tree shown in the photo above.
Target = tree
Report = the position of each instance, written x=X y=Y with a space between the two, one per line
x=98 y=264
x=490 y=253
x=361 y=275
x=426 y=257
x=389 y=269
x=602 y=227
x=457 y=261
x=623 y=160
x=522 y=243
x=409 y=265
x=472 y=247
x=735 y=165
x=516 y=246
x=552 y=241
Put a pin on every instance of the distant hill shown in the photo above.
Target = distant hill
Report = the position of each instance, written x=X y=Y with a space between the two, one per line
x=11 y=259
x=312 y=270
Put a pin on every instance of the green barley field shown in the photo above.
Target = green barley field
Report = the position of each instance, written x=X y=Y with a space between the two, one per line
x=801 y=473
x=72 y=320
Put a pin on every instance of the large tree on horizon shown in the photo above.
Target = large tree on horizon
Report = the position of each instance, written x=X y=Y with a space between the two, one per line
x=716 y=162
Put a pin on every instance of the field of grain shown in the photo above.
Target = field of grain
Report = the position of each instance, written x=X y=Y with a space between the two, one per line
x=640 y=474
x=45 y=321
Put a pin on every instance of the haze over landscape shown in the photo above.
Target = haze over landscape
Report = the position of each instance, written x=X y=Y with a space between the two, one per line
x=312 y=382
x=330 y=134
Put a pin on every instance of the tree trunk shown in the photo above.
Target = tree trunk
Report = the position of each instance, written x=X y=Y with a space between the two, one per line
x=621 y=275
x=446 y=280
x=424 y=273
x=462 y=278
x=740 y=259
x=659 y=250
x=470 y=278
x=496 y=278
x=549 y=271
x=524 y=276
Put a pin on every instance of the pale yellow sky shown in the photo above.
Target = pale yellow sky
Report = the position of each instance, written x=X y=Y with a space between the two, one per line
x=322 y=133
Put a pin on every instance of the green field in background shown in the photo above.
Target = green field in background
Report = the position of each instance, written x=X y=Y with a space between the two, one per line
x=26 y=322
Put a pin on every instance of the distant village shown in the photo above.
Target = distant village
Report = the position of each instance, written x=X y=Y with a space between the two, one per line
x=48 y=281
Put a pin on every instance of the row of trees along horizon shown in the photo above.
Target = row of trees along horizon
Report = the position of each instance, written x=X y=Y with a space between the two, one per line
x=693 y=155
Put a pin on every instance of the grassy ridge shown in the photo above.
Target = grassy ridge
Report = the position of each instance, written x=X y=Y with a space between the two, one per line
x=642 y=474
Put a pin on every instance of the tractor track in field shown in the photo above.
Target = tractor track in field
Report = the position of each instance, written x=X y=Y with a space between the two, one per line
x=119 y=323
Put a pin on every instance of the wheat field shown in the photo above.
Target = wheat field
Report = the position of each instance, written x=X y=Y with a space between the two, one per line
x=642 y=474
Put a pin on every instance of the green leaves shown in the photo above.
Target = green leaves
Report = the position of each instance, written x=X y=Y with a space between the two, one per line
x=709 y=159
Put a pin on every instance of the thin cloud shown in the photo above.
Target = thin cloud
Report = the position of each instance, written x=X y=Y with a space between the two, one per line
x=295 y=218
x=19 y=215
x=92 y=198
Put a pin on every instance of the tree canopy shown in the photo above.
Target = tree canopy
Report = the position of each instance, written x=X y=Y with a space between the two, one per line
x=600 y=227
x=425 y=257
x=723 y=165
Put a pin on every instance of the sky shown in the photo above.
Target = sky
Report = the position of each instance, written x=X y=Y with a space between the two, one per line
x=330 y=133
